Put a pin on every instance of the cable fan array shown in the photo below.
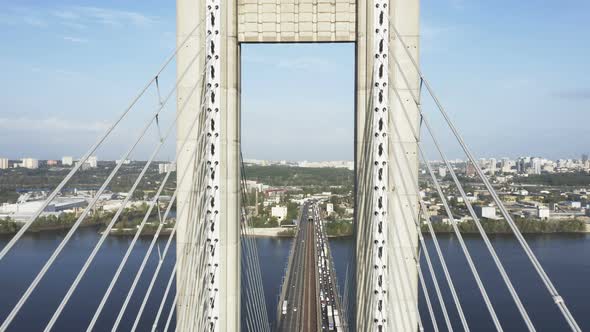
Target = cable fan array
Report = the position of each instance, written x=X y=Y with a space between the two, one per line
x=194 y=257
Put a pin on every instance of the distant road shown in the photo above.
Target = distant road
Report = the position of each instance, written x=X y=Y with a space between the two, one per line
x=292 y=319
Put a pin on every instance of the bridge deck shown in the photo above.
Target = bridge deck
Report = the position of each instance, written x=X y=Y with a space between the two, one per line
x=309 y=299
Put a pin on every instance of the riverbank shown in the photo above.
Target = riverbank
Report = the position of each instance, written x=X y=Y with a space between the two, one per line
x=267 y=231
x=131 y=231
x=271 y=232
x=40 y=228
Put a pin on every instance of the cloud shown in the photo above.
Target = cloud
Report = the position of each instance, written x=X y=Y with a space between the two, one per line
x=50 y=124
x=17 y=17
x=289 y=63
x=65 y=14
x=302 y=63
x=78 y=17
x=75 y=40
x=457 y=4
x=573 y=94
x=86 y=15
x=34 y=21
x=432 y=31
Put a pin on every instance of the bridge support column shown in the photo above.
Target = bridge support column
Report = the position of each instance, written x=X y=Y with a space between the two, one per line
x=386 y=294
x=208 y=241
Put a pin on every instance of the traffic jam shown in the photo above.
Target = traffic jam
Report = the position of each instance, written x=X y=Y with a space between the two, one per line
x=331 y=320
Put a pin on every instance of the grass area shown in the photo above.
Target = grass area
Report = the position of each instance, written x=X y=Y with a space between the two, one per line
x=562 y=179
x=524 y=225
x=339 y=228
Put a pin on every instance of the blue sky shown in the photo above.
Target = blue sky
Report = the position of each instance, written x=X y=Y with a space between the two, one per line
x=514 y=75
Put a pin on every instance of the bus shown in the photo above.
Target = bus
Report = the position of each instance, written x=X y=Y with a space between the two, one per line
x=284 y=307
x=330 y=318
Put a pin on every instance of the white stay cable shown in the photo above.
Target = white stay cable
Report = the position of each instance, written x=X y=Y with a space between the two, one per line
x=171 y=312
x=408 y=284
x=96 y=145
x=251 y=291
x=70 y=233
x=128 y=252
x=429 y=264
x=75 y=226
x=130 y=249
x=148 y=254
x=164 y=298
x=485 y=238
x=113 y=220
x=195 y=250
x=153 y=280
x=505 y=277
x=407 y=274
x=462 y=244
x=136 y=279
x=441 y=258
x=258 y=281
x=195 y=232
x=104 y=235
x=253 y=253
x=530 y=254
x=249 y=288
x=453 y=222
x=427 y=298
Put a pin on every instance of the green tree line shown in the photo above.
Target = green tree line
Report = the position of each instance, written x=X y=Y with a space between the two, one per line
x=523 y=224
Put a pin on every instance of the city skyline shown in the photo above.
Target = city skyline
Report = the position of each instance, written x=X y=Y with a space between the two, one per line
x=69 y=160
x=496 y=82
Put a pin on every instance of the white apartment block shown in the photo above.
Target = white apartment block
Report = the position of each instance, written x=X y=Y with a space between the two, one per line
x=29 y=163
x=485 y=211
x=67 y=161
x=164 y=168
x=280 y=212
x=92 y=161
x=330 y=208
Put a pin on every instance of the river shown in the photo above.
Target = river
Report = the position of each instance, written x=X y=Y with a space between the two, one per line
x=565 y=258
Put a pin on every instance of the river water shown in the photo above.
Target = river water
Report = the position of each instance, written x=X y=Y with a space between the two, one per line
x=565 y=259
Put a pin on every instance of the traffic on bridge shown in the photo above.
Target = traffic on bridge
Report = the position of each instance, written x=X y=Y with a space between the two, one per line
x=309 y=298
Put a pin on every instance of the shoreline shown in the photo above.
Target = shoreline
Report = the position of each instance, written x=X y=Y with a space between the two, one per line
x=270 y=232
x=262 y=231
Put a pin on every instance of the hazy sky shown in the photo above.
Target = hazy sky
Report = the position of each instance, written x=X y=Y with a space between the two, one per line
x=514 y=75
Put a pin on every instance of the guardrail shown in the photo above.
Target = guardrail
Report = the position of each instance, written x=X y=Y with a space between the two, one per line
x=285 y=285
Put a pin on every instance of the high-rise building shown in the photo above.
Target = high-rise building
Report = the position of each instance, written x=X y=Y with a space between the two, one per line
x=67 y=161
x=536 y=165
x=51 y=162
x=29 y=163
x=521 y=164
x=507 y=165
x=469 y=169
x=3 y=163
x=164 y=168
x=492 y=165
x=92 y=161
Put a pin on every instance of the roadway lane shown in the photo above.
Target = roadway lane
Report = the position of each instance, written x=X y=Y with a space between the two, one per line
x=291 y=320
x=310 y=318
x=310 y=286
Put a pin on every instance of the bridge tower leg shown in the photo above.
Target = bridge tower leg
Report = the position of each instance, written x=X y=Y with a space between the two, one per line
x=208 y=241
x=386 y=296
